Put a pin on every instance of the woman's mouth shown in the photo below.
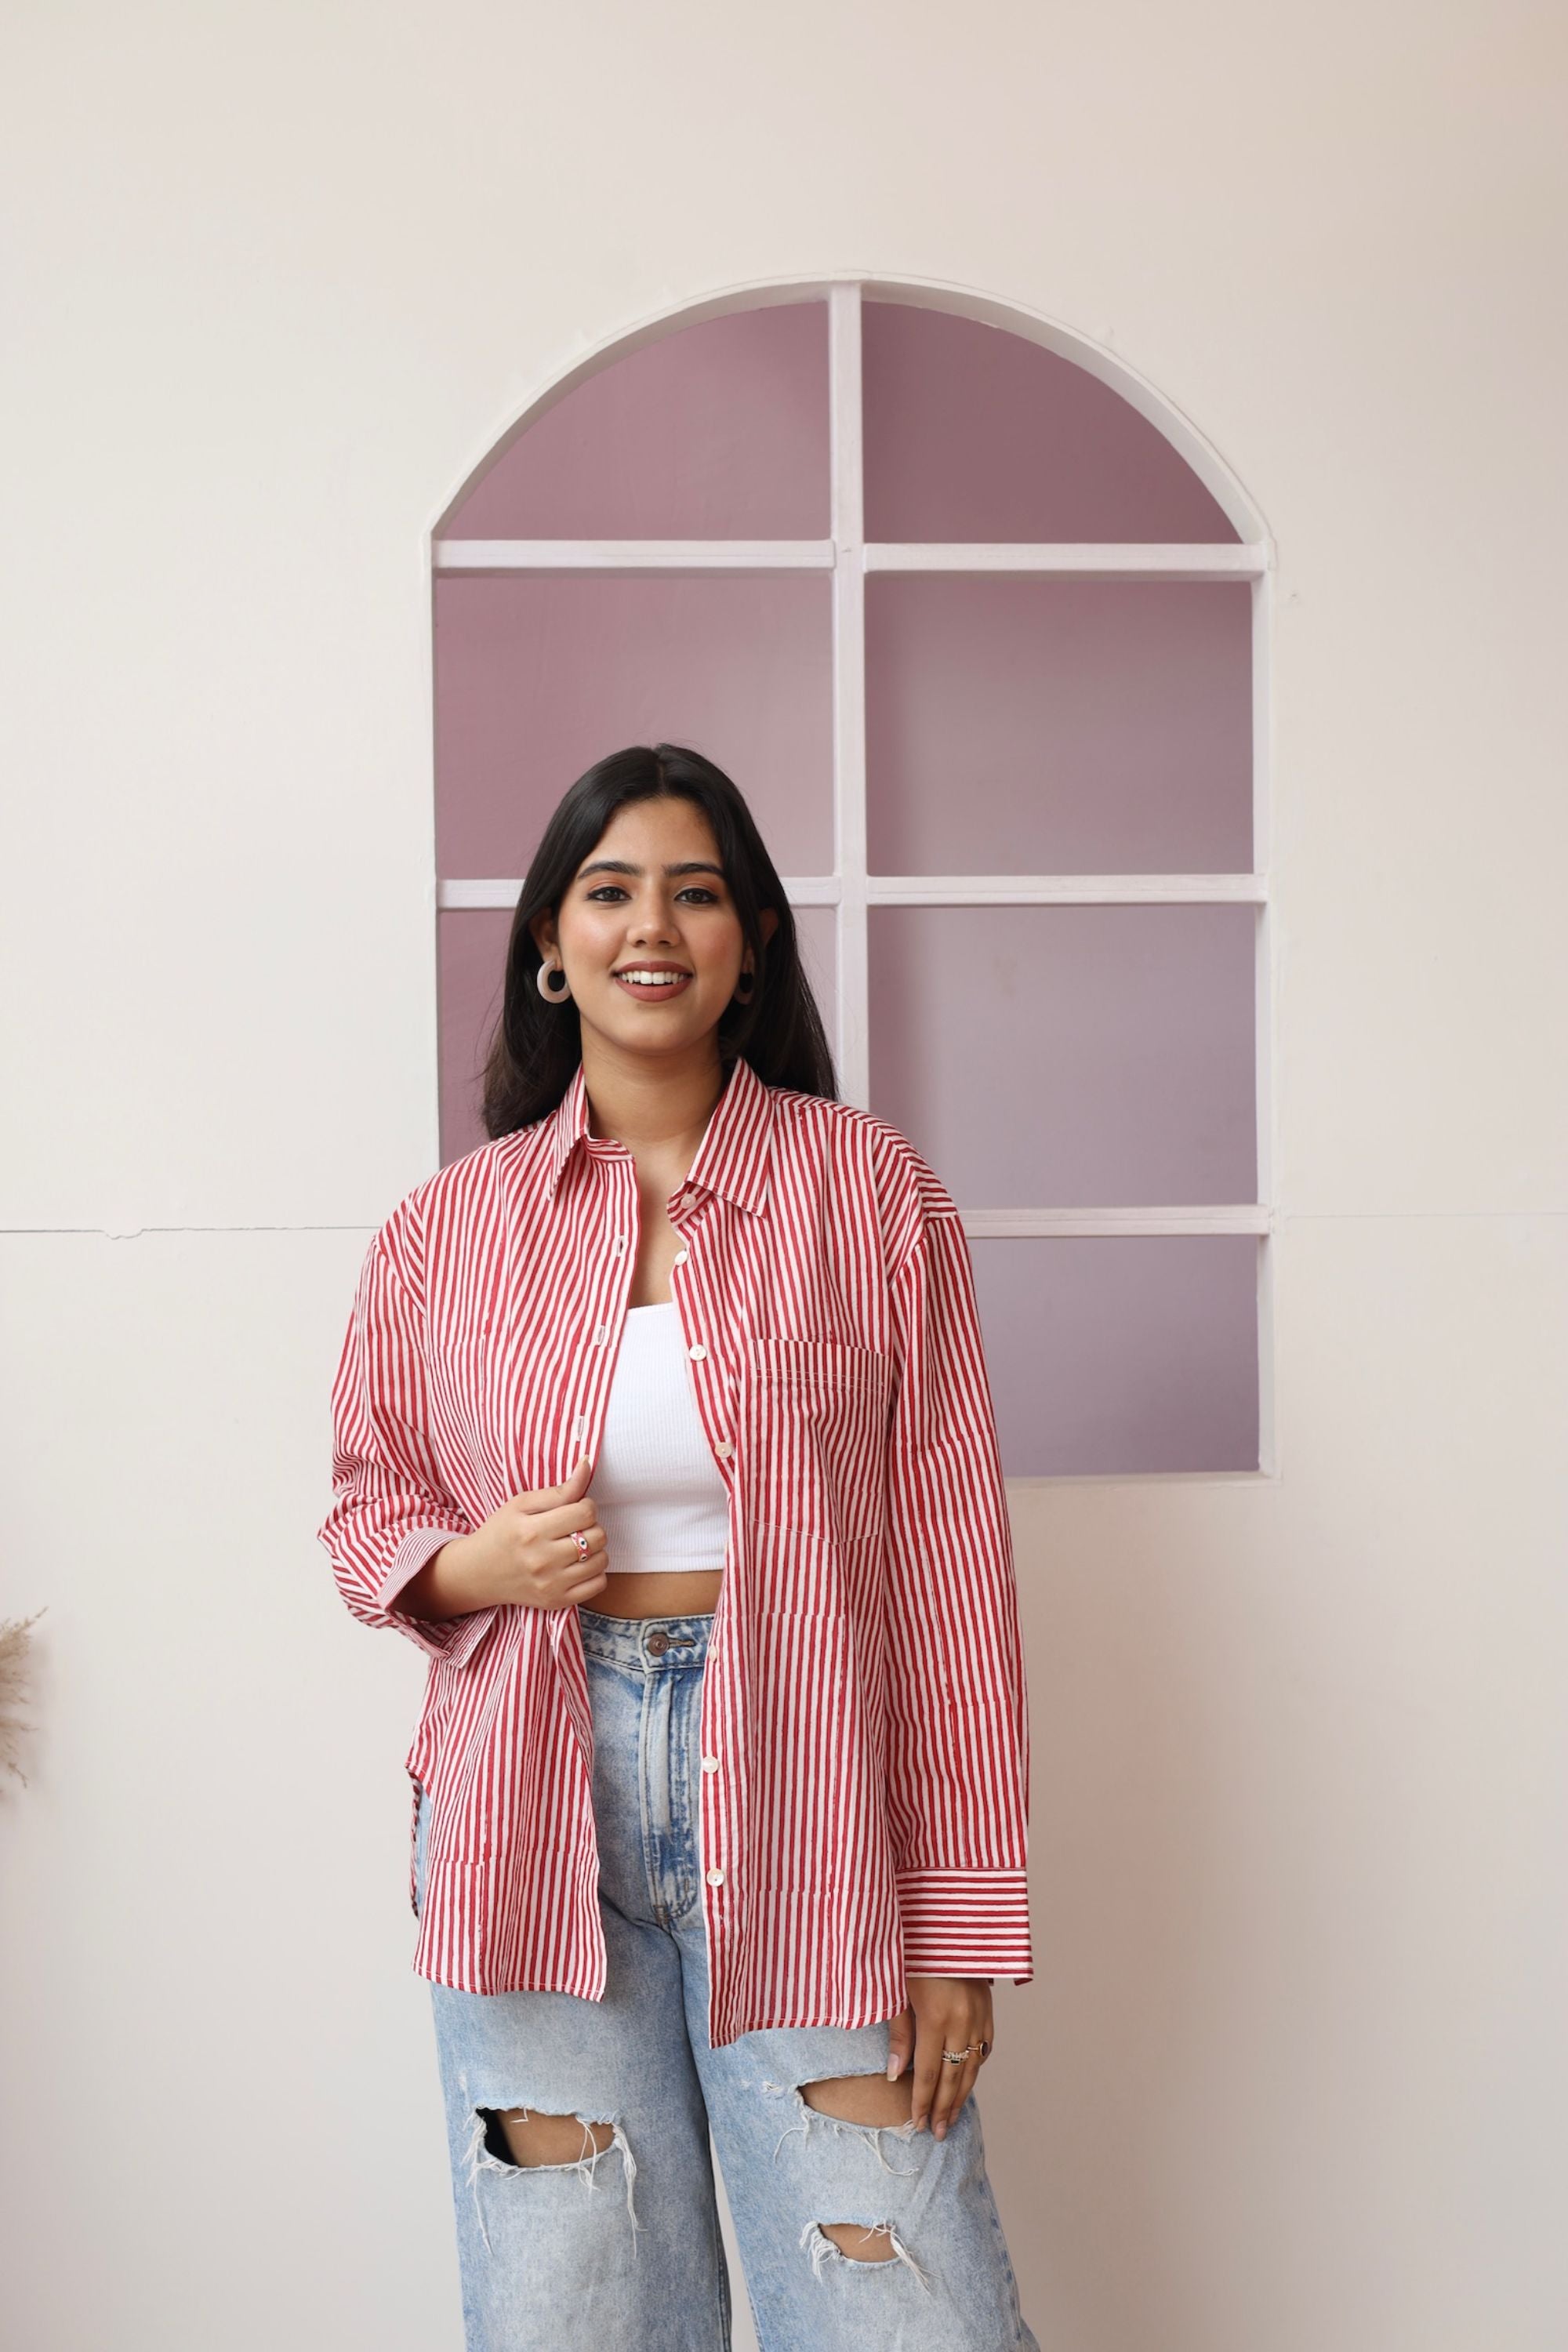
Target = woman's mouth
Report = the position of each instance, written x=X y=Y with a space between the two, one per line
x=652 y=987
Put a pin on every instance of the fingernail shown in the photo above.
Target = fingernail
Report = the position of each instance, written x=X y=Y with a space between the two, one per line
x=940 y=2132
x=892 y=2070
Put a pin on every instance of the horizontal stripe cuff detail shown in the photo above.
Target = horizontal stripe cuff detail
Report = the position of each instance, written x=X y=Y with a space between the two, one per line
x=966 y=1923
x=452 y=1638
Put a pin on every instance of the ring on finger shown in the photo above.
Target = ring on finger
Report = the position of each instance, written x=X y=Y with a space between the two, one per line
x=957 y=2057
x=581 y=1541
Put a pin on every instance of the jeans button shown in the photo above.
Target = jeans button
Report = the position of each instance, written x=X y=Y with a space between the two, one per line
x=657 y=1644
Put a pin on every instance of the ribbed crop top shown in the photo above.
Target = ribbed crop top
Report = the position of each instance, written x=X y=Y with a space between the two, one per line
x=660 y=1498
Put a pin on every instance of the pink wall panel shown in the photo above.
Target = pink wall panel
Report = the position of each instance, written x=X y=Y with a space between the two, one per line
x=817 y=929
x=539 y=675
x=1070 y=1057
x=1118 y=1357
x=975 y=433
x=470 y=948
x=471 y=953
x=1057 y=725
x=717 y=431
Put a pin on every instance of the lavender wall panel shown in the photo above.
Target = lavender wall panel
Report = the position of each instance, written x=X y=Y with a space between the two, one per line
x=975 y=433
x=1121 y=1356
x=1057 y=725
x=539 y=675
x=471 y=954
x=1070 y=1057
x=716 y=431
x=471 y=945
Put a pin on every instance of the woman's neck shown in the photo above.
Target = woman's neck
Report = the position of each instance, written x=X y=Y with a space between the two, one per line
x=661 y=1107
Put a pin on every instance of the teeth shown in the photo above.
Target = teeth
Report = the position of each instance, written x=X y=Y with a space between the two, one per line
x=651 y=979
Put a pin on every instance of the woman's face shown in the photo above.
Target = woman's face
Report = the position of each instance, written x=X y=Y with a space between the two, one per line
x=651 y=894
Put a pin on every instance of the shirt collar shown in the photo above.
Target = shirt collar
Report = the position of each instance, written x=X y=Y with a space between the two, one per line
x=731 y=1158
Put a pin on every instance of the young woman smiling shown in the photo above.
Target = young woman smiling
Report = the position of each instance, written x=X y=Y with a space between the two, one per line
x=662 y=1425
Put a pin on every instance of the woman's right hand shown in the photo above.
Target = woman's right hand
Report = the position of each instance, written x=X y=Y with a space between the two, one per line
x=522 y=1557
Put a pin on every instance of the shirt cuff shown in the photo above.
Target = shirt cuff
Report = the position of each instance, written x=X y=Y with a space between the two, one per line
x=965 y=1923
x=452 y=1638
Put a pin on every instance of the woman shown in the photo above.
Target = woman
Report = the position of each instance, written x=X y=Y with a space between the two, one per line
x=719 y=1786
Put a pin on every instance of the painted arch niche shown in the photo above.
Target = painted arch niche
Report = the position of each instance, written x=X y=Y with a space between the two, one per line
x=974 y=625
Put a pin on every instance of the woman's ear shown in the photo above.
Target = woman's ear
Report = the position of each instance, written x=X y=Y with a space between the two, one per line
x=767 y=922
x=542 y=931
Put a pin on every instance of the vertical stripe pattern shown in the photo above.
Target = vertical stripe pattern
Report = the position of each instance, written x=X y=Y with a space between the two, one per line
x=865 y=1693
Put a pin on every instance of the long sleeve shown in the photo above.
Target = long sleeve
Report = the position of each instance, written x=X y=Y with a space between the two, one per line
x=958 y=1756
x=391 y=1512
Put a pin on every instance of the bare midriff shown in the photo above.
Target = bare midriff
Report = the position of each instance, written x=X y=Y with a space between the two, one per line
x=628 y=1593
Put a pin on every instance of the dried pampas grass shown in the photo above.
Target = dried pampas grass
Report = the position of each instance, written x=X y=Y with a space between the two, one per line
x=15 y=1674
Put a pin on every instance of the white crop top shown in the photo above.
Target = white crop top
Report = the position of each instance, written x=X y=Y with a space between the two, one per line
x=661 y=1498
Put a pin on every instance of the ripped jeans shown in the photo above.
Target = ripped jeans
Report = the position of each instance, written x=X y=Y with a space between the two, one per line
x=620 y=2249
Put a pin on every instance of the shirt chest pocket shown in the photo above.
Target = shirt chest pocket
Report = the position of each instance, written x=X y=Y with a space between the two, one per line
x=816 y=1430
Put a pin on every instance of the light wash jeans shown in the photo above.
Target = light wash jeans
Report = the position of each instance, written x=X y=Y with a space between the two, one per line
x=546 y=2257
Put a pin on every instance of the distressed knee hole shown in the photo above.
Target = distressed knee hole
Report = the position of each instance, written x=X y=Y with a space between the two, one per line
x=503 y=2141
x=864 y=2246
x=861 y=2245
x=863 y=2099
x=520 y=2135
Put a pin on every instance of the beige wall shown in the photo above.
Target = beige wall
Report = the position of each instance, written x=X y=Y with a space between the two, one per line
x=1293 y=2075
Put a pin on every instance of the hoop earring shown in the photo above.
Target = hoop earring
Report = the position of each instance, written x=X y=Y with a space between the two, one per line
x=751 y=979
x=542 y=979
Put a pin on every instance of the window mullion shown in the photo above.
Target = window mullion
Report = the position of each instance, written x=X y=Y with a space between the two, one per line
x=629 y=555
x=1216 y=560
x=1265 y=1004
x=850 y=693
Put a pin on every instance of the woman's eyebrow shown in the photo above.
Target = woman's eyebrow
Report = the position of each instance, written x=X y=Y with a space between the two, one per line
x=625 y=866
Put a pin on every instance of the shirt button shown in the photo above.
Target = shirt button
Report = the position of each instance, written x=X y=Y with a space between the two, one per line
x=599 y=1332
x=617 y=1245
x=580 y=1426
x=711 y=1763
x=696 y=1351
x=680 y=1257
x=725 y=1445
x=715 y=1877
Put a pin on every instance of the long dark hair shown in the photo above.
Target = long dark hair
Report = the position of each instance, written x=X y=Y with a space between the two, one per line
x=537 y=1046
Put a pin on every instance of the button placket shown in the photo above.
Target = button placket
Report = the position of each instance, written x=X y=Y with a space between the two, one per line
x=619 y=1239
x=724 y=1447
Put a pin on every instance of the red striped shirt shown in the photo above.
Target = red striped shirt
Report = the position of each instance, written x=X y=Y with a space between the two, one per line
x=864 y=1693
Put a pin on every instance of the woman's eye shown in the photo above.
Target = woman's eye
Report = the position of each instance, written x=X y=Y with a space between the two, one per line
x=697 y=890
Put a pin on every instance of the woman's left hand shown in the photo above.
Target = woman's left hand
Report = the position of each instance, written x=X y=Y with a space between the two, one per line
x=945 y=2013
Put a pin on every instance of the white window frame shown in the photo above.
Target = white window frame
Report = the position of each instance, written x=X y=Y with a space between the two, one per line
x=850 y=889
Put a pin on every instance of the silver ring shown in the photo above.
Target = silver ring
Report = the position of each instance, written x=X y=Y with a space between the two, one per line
x=957 y=2057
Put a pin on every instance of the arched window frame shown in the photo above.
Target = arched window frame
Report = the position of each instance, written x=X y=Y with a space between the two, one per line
x=851 y=891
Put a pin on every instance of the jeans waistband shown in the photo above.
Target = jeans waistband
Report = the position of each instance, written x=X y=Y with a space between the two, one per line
x=645 y=1645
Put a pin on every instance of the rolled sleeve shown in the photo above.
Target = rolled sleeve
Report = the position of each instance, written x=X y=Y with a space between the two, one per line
x=958 y=1754
x=391 y=1510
